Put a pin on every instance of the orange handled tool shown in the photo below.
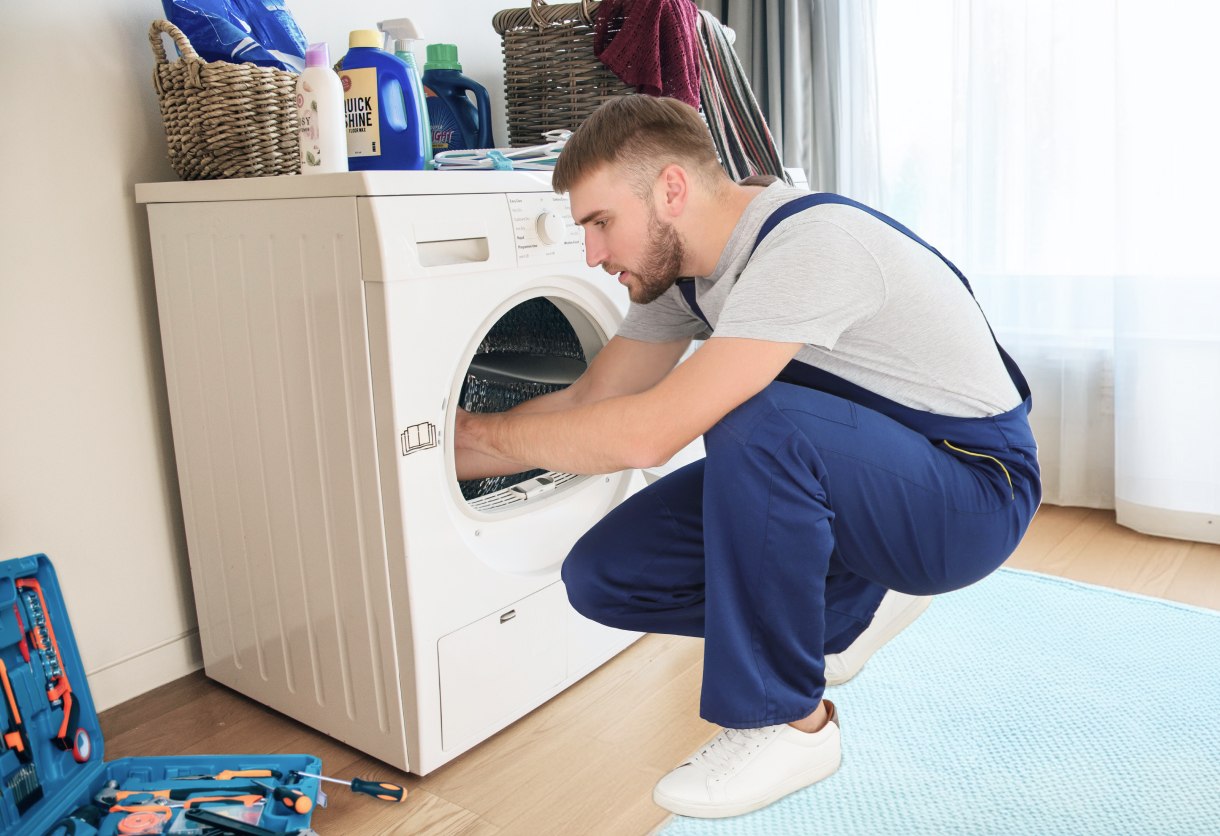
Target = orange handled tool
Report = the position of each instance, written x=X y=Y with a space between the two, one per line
x=230 y=774
x=378 y=789
x=70 y=736
x=294 y=800
x=246 y=800
x=131 y=799
x=16 y=738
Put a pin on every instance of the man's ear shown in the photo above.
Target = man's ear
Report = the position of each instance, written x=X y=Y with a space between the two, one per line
x=672 y=190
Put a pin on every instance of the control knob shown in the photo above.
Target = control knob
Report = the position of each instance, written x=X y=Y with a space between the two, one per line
x=551 y=228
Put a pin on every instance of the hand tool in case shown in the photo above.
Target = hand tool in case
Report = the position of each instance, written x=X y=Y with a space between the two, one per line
x=53 y=777
x=384 y=790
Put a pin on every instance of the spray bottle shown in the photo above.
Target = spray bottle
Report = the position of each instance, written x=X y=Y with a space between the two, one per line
x=382 y=120
x=403 y=35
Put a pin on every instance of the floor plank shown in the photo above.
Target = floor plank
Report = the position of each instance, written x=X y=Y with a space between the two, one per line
x=1197 y=580
x=1051 y=525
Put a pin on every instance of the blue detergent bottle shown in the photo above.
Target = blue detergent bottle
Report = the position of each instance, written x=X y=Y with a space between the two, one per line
x=382 y=118
x=456 y=122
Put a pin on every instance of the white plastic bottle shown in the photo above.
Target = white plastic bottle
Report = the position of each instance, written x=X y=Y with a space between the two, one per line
x=320 y=111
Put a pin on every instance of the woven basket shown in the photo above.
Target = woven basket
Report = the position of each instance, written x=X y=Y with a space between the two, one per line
x=224 y=120
x=552 y=79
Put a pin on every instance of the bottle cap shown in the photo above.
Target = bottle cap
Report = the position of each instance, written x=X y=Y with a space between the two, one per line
x=317 y=55
x=442 y=57
x=365 y=37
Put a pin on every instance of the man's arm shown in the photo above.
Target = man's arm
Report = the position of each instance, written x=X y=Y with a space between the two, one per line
x=622 y=367
x=638 y=429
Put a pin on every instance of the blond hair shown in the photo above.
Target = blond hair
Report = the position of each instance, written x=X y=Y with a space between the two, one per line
x=641 y=135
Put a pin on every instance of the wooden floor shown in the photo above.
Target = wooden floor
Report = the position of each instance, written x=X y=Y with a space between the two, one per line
x=585 y=762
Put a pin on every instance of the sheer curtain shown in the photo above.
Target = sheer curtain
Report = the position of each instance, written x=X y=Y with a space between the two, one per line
x=1063 y=155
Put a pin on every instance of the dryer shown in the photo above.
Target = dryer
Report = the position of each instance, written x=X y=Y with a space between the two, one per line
x=319 y=333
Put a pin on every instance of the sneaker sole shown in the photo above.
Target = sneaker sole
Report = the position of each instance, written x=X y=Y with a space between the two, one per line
x=904 y=619
x=713 y=810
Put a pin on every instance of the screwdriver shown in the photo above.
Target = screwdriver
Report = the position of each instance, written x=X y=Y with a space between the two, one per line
x=378 y=789
x=290 y=797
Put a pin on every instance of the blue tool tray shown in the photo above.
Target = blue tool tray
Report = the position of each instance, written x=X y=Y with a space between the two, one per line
x=51 y=747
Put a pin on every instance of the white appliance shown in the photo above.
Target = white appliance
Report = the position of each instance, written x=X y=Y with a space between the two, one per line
x=317 y=333
x=1166 y=396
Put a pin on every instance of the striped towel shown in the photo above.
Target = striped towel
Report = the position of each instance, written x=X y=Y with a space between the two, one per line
x=738 y=128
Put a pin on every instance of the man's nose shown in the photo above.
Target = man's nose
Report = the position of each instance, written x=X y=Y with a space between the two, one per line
x=595 y=251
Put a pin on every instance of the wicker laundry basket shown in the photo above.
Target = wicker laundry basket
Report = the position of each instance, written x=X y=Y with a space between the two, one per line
x=552 y=79
x=224 y=120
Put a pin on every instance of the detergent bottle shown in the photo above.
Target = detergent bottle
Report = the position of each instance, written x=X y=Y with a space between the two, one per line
x=403 y=35
x=456 y=122
x=383 y=121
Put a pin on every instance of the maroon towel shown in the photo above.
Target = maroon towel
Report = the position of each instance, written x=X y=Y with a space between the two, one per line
x=656 y=48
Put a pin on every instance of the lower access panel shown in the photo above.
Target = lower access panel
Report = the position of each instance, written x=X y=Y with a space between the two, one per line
x=502 y=665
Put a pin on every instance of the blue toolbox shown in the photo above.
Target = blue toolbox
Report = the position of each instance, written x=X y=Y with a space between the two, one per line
x=53 y=779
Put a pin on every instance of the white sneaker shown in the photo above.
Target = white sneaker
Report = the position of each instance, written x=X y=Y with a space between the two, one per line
x=894 y=614
x=742 y=770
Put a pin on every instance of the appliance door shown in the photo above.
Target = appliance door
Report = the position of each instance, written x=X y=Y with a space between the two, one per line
x=470 y=308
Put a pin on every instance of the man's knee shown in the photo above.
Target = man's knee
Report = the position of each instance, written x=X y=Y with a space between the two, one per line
x=584 y=578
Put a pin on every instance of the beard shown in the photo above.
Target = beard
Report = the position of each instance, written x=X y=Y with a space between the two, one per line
x=661 y=263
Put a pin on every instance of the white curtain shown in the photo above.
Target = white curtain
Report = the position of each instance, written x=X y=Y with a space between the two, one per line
x=1060 y=154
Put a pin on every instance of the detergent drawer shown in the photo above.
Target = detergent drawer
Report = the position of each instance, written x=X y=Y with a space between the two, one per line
x=499 y=667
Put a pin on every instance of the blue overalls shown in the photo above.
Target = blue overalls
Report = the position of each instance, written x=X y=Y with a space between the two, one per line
x=815 y=497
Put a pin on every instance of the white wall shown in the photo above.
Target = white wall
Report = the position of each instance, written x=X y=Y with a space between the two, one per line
x=87 y=470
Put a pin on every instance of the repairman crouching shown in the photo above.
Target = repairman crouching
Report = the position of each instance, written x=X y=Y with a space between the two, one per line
x=867 y=439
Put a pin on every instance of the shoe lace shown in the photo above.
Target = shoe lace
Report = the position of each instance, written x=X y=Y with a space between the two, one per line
x=726 y=749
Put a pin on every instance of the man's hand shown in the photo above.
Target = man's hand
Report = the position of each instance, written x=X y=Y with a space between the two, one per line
x=472 y=458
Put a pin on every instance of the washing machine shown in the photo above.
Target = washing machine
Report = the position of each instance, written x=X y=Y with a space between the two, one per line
x=319 y=334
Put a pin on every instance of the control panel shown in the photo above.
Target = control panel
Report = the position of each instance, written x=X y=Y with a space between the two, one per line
x=543 y=228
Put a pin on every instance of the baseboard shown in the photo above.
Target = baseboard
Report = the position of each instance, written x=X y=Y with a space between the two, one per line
x=143 y=671
x=1165 y=522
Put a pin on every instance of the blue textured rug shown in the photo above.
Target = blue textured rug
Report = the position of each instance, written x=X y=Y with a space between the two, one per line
x=1040 y=706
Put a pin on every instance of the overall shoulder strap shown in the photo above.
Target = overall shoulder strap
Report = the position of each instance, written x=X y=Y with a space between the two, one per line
x=804 y=202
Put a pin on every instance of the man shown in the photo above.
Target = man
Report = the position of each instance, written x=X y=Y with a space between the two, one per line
x=867 y=442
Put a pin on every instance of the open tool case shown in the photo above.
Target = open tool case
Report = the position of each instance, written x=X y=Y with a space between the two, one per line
x=51 y=746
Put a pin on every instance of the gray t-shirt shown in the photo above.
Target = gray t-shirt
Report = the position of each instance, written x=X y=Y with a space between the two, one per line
x=871 y=305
